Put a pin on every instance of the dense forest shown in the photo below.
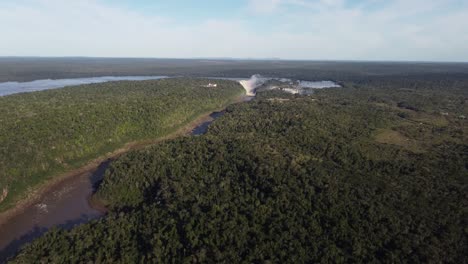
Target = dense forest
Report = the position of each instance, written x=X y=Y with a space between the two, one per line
x=29 y=69
x=376 y=171
x=45 y=133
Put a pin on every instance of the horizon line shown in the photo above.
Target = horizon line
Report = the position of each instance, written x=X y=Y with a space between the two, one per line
x=238 y=59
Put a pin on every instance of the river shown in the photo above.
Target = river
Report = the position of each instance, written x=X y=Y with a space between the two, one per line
x=65 y=205
x=250 y=85
x=7 y=88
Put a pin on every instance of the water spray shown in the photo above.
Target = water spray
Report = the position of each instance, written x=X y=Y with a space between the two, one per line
x=253 y=83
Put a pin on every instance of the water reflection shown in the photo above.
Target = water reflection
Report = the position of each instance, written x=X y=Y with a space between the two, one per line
x=203 y=128
x=65 y=206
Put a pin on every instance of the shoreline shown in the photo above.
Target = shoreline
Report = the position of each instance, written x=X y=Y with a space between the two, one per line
x=39 y=191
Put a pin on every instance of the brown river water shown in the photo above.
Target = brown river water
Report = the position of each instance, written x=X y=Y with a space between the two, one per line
x=65 y=205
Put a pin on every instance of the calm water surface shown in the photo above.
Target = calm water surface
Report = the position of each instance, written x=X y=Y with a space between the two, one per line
x=7 y=88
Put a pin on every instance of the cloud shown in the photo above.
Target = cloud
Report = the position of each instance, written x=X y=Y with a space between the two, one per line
x=264 y=6
x=295 y=29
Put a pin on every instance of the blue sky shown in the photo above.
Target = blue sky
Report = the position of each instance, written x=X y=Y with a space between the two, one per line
x=185 y=11
x=420 y=30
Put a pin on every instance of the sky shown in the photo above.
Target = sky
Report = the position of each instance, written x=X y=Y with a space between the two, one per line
x=395 y=30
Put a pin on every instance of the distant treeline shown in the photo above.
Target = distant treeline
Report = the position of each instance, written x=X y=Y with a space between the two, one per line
x=30 y=68
x=45 y=133
x=347 y=175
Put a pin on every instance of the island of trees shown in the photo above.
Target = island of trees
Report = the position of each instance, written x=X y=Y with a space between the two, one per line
x=373 y=172
x=44 y=134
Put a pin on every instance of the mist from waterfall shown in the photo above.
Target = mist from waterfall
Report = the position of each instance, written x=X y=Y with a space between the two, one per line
x=253 y=83
x=288 y=85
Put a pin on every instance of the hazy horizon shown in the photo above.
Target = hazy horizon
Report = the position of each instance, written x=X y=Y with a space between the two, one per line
x=231 y=59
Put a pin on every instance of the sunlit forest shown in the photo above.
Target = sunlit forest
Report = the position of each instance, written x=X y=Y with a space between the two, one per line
x=43 y=134
x=372 y=172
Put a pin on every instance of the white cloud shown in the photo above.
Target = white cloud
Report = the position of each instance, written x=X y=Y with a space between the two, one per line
x=300 y=29
x=264 y=6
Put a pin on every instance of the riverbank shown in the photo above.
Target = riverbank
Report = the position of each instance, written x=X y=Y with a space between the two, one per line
x=35 y=195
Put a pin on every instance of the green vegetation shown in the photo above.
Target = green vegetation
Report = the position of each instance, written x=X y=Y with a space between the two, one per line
x=325 y=178
x=43 y=134
x=29 y=69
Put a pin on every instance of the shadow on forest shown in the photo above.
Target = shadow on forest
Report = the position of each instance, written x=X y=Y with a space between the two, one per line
x=95 y=179
x=13 y=248
x=98 y=175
